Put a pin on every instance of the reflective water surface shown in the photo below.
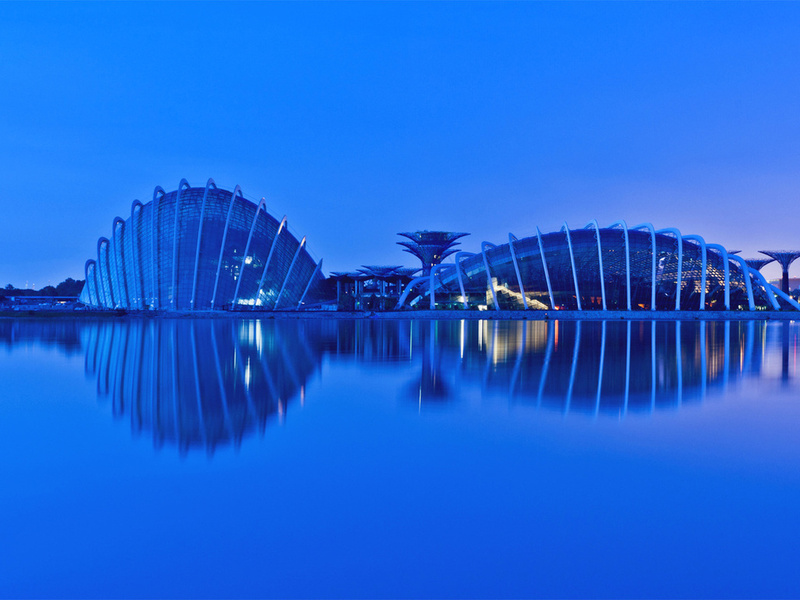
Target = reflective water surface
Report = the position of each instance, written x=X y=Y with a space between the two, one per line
x=325 y=458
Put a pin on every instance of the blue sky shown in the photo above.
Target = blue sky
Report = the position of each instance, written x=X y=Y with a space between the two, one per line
x=359 y=120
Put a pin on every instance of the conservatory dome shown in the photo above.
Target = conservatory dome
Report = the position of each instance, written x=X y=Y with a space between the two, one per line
x=200 y=248
x=594 y=268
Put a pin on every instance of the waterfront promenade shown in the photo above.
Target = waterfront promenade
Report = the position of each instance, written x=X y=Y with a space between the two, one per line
x=441 y=315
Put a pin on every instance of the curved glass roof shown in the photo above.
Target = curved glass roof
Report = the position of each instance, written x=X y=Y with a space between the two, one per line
x=200 y=249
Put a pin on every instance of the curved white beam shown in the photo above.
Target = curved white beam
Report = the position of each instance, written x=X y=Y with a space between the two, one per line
x=767 y=289
x=236 y=190
x=181 y=186
x=565 y=228
x=289 y=272
x=136 y=267
x=624 y=226
x=784 y=295
x=158 y=194
x=119 y=256
x=308 y=285
x=679 y=276
x=93 y=264
x=113 y=275
x=97 y=283
x=746 y=274
x=593 y=223
x=459 y=271
x=546 y=270
x=108 y=292
x=652 y=230
x=411 y=285
x=703 y=265
x=726 y=270
x=432 y=294
x=281 y=227
x=484 y=245
x=511 y=239
x=209 y=185
x=261 y=204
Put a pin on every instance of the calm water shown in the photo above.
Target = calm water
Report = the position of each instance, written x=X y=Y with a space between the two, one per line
x=146 y=458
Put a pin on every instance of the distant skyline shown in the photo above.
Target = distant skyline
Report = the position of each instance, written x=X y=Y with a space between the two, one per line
x=361 y=120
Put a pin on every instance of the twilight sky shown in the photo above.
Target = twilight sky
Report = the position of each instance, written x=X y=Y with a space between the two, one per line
x=360 y=120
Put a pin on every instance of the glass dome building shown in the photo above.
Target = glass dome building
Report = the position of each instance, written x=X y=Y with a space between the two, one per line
x=594 y=268
x=200 y=249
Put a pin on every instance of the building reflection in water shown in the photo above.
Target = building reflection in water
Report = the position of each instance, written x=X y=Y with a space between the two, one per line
x=201 y=382
x=204 y=383
x=607 y=367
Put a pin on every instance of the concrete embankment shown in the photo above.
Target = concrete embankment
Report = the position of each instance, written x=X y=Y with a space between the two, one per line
x=530 y=315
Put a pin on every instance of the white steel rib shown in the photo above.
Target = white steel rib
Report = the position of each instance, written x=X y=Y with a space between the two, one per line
x=289 y=272
x=136 y=268
x=119 y=236
x=108 y=294
x=546 y=270
x=511 y=239
x=767 y=289
x=679 y=276
x=236 y=190
x=746 y=275
x=89 y=283
x=703 y=267
x=158 y=193
x=484 y=245
x=624 y=226
x=565 y=228
x=308 y=285
x=726 y=271
x=262 y=203
x=269 y=259
x=459 y=271
x=593 y=223
x=181 y=186
x=651 y=229
x=432 y=286
x=209 y=185
x=411 y=285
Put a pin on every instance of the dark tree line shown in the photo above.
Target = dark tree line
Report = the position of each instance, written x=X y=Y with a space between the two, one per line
x=68 y=287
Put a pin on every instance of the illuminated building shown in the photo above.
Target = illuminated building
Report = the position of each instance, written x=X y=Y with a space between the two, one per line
x=371 y=287
x=594 y=268
x=200 y=249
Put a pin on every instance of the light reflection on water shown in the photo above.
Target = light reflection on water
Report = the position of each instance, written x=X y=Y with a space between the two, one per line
x=206 y=383
x=431 y=459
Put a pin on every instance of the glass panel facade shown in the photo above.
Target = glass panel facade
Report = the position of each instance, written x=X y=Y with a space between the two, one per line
x=169 y=255
x=529 y=260
x=614 y=273
x=264 y=233
x=504 y=278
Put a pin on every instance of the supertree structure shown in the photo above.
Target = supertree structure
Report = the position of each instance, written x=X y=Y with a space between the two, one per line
x=758 y=263
x=784 y=258
x=431 y=247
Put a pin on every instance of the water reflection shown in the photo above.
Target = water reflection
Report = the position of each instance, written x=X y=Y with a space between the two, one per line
x=206 y=383
x=609 y=367
x=63 y=334
x=199 y=383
